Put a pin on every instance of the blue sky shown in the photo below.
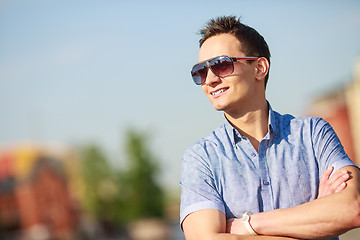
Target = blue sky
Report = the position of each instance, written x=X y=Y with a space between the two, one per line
x=75 y=72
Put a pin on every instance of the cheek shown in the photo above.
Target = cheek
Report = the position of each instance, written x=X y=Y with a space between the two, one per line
x=245 y=71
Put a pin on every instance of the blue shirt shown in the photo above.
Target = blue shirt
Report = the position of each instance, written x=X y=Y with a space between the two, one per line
x=223 y=171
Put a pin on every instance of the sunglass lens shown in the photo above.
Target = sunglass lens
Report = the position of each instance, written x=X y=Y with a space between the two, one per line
x=221 y=66
x=199 y=73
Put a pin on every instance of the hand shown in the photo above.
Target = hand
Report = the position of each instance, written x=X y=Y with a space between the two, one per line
x=236 y=226
x=335 y=184
x=327 y=185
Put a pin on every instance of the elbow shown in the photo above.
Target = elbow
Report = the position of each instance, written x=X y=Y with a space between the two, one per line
x=357 y=217
x=352 y=199
x=355 y=213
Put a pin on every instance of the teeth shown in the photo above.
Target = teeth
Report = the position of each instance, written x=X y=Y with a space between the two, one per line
x=217 y=92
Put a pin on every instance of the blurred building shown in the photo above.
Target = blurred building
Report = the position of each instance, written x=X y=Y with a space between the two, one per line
x=341 y=108
x=35 y=200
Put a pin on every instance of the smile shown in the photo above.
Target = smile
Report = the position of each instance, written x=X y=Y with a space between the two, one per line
x=218 y=92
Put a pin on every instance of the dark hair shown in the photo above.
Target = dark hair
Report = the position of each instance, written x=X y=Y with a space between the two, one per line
x=252 y=43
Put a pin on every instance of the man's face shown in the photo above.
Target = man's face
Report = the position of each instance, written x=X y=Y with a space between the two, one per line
x=234 y=92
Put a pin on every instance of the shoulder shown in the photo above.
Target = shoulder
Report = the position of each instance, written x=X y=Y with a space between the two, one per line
x=291 y=119
x=310 y=123
x=208 y=144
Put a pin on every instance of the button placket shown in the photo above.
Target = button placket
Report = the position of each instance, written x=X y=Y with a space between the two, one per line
x=265 y=177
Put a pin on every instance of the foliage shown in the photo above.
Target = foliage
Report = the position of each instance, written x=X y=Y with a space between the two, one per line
x=119 y=196
x=145 y=197
x=102 y=198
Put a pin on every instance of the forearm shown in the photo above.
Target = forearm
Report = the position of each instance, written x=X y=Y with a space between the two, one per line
x=226 y=236
x=211 y=225
x=326 y=217
x=313 y=220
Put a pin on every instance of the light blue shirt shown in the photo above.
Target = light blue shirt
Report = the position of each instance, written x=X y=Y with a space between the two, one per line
x=223 y=171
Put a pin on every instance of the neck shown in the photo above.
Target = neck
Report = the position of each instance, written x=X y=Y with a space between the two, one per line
x=252 y=124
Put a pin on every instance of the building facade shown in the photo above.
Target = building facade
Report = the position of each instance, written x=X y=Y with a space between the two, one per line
x=341 y=108
x=35 y=202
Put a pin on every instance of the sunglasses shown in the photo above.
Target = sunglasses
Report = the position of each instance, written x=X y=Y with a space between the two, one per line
x=221 y=66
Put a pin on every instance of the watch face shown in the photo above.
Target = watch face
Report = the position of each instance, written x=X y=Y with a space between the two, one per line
x=245 y=217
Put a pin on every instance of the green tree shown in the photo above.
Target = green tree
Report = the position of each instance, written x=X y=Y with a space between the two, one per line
x=116 y=196
x=145 y=197
x=102 y=186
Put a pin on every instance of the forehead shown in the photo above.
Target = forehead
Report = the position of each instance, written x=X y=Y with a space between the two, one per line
x=223 y=44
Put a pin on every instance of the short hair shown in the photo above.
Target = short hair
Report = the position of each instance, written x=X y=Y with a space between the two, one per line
x=253 y=44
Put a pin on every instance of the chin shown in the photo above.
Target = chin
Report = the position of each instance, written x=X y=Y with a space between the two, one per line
x=220 y=104
x=219 y=107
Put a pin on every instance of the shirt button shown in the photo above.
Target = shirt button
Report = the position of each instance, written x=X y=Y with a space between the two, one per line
x=266 y=183
x=253 y=154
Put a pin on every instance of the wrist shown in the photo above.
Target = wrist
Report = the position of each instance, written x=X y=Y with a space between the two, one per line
x=246 y=221
x=256 y=223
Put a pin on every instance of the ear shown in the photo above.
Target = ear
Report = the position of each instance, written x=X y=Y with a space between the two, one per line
x=262 y=68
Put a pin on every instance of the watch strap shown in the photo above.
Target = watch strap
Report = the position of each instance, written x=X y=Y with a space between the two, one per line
x=246 y=220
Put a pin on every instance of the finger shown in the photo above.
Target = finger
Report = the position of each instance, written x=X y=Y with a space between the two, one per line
x=324 y=188
x=341 y=187
x=335 y=183
x=326 y=174
x=339 y=177
x=339 y=182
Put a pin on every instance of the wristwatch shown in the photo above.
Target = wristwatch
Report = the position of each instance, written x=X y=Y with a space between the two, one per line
x=246 y=220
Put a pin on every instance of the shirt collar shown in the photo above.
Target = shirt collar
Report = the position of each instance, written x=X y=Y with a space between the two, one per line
x=235 y=135
x=231 y=132
x=273 y=123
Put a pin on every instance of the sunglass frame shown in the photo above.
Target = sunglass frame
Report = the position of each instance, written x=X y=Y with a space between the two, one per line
x=207 y=65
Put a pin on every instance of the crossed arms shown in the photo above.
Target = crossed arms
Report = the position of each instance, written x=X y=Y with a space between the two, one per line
x=335 y=211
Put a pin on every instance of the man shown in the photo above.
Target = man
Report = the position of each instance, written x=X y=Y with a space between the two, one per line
x=258 y=176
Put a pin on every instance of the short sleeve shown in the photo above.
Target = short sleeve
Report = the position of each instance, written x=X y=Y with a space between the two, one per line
x=328 y=148
x=197 y=181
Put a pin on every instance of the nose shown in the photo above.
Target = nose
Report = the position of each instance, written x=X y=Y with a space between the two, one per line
x=211 y=78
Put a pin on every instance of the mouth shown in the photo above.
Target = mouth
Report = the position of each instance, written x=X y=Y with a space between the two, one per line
x=219 y=92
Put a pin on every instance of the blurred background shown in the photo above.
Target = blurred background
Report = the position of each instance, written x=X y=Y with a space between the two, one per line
x=97 y=104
